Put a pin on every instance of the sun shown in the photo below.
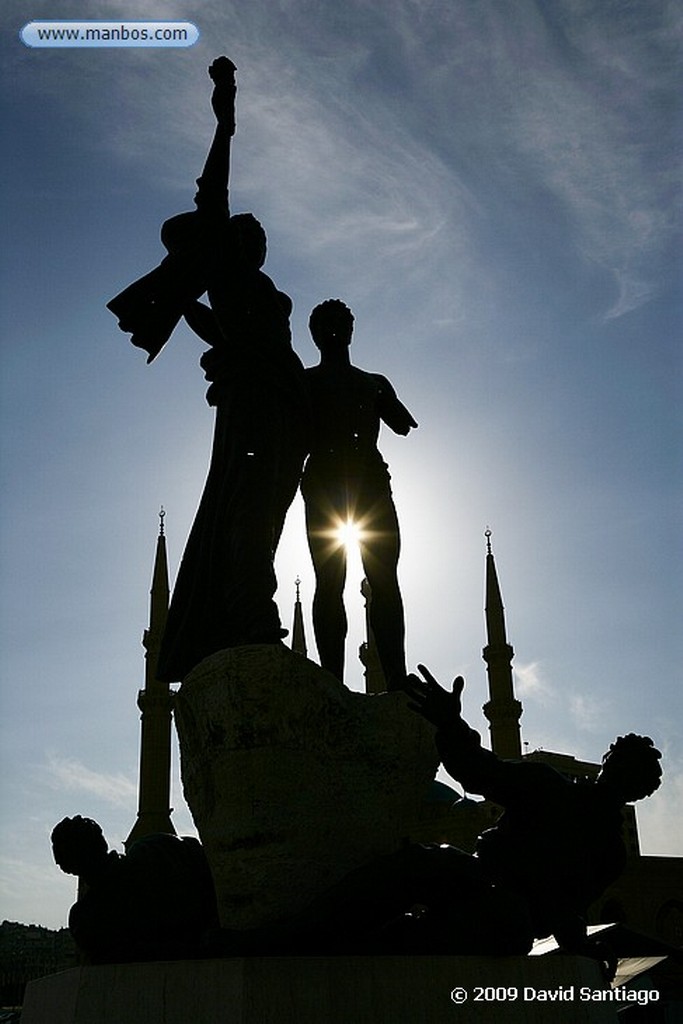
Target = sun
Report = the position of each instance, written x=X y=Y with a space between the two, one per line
x=349 y=534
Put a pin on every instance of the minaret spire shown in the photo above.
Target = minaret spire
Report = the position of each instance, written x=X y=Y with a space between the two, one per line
x=502 y=709
x=158 y=605
x=298 y=634
x=156 y=704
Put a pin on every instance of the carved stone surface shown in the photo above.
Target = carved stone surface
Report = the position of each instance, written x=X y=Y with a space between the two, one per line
x=292 y=779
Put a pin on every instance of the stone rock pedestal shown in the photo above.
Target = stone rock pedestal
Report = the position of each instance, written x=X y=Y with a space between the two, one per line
x=312 y=990
x=292 y=779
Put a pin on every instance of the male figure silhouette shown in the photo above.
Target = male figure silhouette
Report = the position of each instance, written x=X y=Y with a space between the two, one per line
x=558 y=844
x=346 y=480
x=155 y=902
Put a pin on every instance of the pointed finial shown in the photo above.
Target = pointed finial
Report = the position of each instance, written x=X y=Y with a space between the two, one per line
x=487 y=534
x=162 y=513
x=297 y=584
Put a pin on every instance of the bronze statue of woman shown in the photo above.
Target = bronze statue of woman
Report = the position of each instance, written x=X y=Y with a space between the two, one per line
x=223 y=595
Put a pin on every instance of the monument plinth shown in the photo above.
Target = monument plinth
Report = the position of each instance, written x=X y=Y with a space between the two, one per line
x=328 y=990
x=292 y=779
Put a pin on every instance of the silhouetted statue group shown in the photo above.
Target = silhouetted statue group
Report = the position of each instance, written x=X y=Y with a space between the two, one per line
x=271 y=415
x=558 y=844
x=556 y=848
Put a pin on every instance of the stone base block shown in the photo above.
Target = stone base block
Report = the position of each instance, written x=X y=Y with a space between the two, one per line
x=292 y=779
x=326 y=990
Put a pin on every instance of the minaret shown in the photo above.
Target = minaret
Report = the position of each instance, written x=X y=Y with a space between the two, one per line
x=156 y=704
x=502 y=710
x=367 y=652
x=298 y=635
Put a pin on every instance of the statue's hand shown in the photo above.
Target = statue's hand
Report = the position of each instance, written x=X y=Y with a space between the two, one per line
x=222 y=74
x=430 y=700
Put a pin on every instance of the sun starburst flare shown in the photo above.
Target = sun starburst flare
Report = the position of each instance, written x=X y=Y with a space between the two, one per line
x=349 y=534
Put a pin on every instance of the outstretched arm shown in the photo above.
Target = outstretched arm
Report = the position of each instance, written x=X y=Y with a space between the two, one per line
x=214 y=181
x=459 y=746
x=392 y=411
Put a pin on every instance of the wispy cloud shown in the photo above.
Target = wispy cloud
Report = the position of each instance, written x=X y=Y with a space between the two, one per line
x=530 y=682
x=588 y=711
x=570 y=101
x=588 y=122
x=72 y=775
x=366 y=134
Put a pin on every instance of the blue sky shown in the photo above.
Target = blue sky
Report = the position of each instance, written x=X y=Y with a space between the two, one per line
x=495 y=193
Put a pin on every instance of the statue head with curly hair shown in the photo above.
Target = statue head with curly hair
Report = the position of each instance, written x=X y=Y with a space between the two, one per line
x=79 y=846
x=631 y=768
x=331 y=325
